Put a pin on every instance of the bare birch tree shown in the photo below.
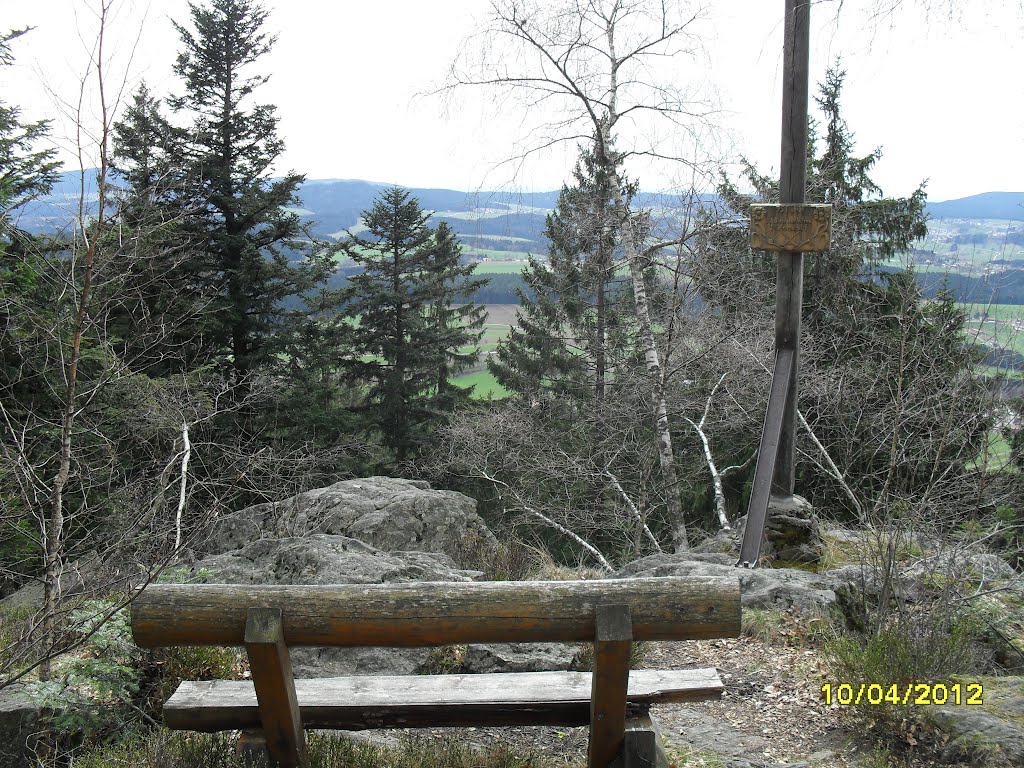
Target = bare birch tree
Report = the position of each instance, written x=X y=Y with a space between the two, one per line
x=592 y=66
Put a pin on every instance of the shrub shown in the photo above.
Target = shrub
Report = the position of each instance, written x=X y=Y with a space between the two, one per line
x=931 y=644
x=444 y=660
x=165 y=668
x=92 y=691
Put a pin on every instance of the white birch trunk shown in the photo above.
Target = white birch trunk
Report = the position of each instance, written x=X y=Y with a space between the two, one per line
x=186 y=454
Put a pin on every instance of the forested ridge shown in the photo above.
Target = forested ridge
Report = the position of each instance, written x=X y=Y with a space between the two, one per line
x=194 y=343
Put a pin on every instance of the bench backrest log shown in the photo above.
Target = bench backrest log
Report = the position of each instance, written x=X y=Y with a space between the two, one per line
x=437 y=613
x=268 y=620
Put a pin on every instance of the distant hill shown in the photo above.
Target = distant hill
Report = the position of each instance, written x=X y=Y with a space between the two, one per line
x=490 y=224
x=987 y=205
x=511 y=221
x=487 y=221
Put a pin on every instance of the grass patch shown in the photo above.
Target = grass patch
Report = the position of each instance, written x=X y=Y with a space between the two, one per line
x=501 y=267
x=486 y=385
x=840 y=551
x=164 y=749
x=693 y=758
x=789 y=628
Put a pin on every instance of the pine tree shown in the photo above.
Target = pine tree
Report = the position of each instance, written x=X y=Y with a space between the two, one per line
x=166 y=284
x=25 y=172
x=241 y=225
x=409 y=332
x=575 y=333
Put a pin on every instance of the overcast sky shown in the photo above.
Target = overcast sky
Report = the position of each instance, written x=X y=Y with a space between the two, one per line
x=943 y=97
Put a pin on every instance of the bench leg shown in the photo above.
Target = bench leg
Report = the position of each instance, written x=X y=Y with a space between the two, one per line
x=609 y=683
x=642 y=746
x=275 y=687
x=251 y=747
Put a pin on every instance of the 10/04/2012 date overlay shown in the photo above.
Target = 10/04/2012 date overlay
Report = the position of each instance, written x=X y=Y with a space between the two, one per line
x=845 y=694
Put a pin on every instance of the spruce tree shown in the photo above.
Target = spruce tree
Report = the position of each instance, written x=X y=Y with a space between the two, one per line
x=25 y=172
x=240 y=223
x=453 y=321
x=576 y=332
x=891 y=390
x=167 y=280
x=867 y=226
x=407 y=331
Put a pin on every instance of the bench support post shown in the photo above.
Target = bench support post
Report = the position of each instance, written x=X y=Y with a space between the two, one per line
x=612 y=640
x=642 y=747
x=275 y=687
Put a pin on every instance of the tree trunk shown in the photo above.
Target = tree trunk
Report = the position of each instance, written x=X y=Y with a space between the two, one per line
x=656 y=374
x=600 y=357
x=659 y=409
x=53 y=539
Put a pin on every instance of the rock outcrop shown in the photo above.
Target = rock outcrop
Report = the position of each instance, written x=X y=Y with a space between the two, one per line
x=992 y=734
x=390 y=514
x=792 y=533
x=764 y=588
x=520 y=657
x=20 y=719
x=327 y=559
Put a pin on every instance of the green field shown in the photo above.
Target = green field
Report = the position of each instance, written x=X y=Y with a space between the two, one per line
x=996 y=455
x=500 y=267
x=486 y=386
x=994 y=311
x=997 y=324
x=495 y=254
x=500 y=319
x=502 y=238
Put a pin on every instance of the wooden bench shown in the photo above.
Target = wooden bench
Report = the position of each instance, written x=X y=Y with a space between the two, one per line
x=267 y=620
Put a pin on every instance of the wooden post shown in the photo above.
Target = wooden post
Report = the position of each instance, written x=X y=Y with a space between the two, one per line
x=790 y=270
x=791 y=228
x=642 y=747
x=275 y=687
x=609 y=682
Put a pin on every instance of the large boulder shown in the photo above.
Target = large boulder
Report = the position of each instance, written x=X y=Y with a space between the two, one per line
x=764 y=588
x=390 y=514
x=326 y=559
x=520 y=657
x=792 y=533
x=21 y=722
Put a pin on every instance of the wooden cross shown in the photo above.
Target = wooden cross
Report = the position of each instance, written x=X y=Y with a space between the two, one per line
x=791 y=229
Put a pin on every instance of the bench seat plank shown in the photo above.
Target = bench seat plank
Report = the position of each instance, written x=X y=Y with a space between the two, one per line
x=422 y=701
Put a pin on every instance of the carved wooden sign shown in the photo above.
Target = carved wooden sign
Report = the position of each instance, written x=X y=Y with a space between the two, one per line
x=796 y=228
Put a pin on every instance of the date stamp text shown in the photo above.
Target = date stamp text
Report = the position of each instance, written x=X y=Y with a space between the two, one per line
x=856 y=694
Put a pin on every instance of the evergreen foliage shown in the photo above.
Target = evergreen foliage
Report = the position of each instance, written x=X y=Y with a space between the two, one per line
x=887 y=379
x=575 y=327
x=240 y=226
x=867 y=227
x=165 y=283
x=25 y=172
x=408 y=333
